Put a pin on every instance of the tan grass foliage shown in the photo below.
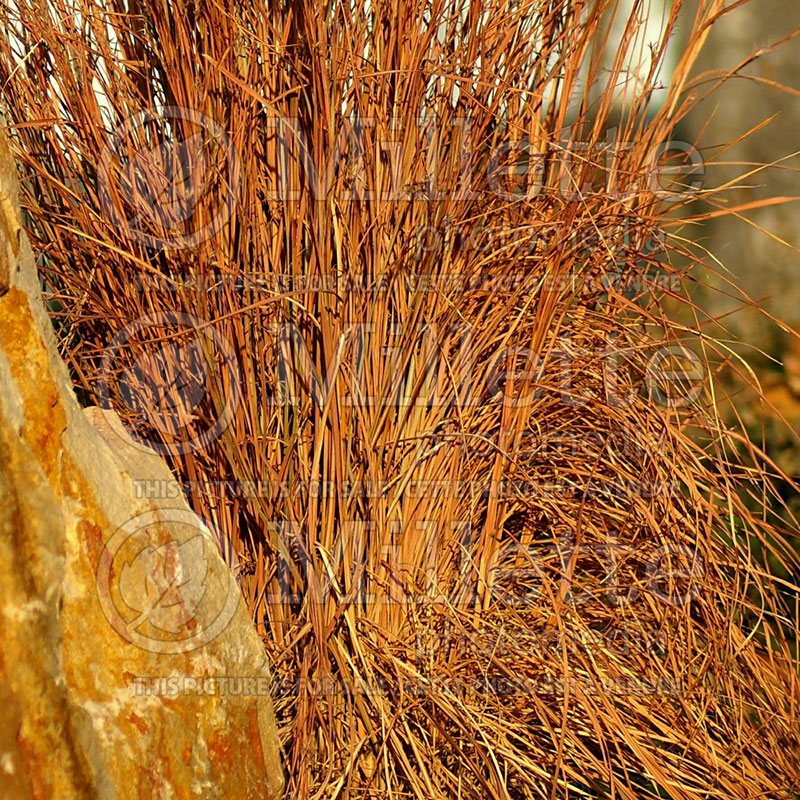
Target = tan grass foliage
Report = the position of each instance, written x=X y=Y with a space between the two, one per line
x=496 y=548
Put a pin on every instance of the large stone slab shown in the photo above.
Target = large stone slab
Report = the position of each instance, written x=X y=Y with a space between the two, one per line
x=128 y=665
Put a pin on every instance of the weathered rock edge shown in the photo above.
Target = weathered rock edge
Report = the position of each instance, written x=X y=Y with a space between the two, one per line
x=72 y=721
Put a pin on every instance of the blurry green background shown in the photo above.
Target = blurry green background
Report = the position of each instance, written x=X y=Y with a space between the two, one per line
x=764 y=265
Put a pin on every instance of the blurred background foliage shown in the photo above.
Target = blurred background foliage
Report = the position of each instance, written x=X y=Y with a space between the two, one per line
x=754 y=291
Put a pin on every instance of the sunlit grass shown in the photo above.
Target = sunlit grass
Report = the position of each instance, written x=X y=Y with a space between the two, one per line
x=429 y=325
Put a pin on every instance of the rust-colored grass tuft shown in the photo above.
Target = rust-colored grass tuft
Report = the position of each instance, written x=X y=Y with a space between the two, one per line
x=495 y=545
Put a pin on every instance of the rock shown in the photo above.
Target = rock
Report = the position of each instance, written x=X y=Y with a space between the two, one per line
x=128 y=665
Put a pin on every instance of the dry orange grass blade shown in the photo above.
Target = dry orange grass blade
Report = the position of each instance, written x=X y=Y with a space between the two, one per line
x=404 y=343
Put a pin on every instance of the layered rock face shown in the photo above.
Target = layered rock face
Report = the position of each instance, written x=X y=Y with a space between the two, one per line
x=128 y=665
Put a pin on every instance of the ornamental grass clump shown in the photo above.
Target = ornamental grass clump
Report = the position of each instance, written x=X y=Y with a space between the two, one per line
x=388 y=286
